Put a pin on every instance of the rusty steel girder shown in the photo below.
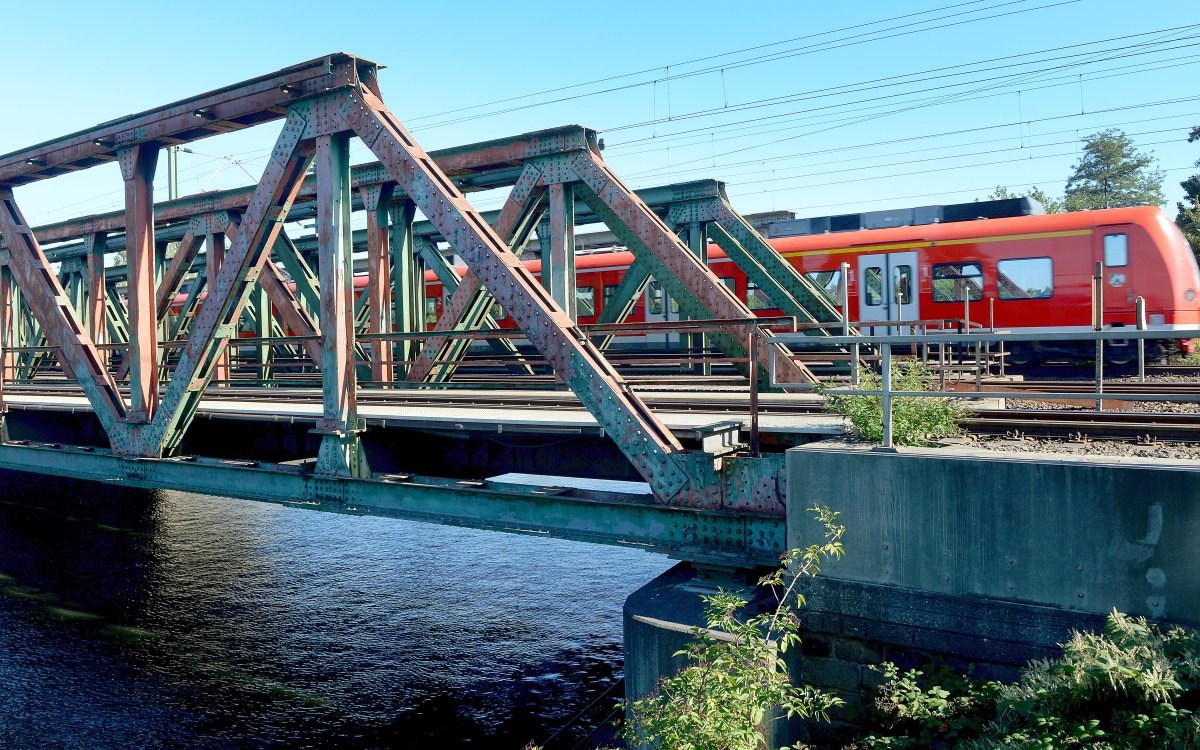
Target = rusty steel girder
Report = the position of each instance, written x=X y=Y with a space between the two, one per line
x=324 y=103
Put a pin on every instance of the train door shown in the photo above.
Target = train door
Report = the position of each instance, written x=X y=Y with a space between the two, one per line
x=660 y=308
x=1112 y=249
x=887 y=290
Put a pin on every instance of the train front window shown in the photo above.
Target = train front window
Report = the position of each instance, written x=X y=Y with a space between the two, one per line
x=873 y=286
x=828 y=282
x=1025 y=278
x=585 y=301
x=953 y=281
x=1116 y=250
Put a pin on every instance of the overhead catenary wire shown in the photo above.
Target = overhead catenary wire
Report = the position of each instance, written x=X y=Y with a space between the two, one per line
x=887 y=35
x=904 y=107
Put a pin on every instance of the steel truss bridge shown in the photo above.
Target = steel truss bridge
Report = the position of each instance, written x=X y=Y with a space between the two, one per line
x=110 y=377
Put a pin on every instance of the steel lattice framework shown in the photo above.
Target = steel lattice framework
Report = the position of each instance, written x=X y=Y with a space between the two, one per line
x=554 y=175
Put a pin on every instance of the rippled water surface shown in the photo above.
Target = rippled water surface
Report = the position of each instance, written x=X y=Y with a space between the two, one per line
x=153 y=620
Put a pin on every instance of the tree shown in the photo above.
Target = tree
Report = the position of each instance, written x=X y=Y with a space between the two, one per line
x=1052 y=205
x=1113 y=173
x=1189 y=210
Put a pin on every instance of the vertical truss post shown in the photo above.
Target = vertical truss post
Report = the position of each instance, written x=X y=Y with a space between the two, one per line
x=340 y=451
x=137 y=169
x=408 y=279
x=558 y=248
x=260 y=306
x=214 y=256
x=6 y=286
x=375 y=199
x=697 y=237
x=95 y=317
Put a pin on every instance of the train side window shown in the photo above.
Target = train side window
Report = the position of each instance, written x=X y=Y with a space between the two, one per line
x=903 y=291
x=950 y=280
x=497 y=312
x=585 y=301
x=431 y=306
x=730 y=283
x=1025 y=278
x=828 y=282
x=1116 y=250
x=757 y=299
x=609 y=291
x=873 y=286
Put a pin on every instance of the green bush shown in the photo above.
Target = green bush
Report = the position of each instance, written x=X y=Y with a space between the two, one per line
x=916 y=420
x=1133 y=686
x=735 y=684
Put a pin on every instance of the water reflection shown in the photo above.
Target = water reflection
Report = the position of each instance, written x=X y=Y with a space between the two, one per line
x=134 y=619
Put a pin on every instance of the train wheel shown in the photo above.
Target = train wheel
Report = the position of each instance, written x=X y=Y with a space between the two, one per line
x=1020 y=354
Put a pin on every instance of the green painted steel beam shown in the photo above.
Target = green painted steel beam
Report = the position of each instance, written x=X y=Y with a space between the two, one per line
x=624 y=299
x=737 y=538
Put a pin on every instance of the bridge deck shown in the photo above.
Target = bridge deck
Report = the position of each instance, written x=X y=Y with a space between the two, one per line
x=683 y=412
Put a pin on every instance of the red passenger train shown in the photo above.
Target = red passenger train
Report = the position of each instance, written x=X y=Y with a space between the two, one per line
x=1031 y=272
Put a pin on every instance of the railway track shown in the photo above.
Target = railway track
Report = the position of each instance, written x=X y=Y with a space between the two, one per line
x=1090 y=425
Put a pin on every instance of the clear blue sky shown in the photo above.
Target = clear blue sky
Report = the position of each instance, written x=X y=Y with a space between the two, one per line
x=72 y=65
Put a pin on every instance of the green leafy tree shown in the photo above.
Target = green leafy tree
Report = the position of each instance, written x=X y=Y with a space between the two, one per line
x=1052 y=205
x=735 y=683
x=1188 y=218
x=1112 y=173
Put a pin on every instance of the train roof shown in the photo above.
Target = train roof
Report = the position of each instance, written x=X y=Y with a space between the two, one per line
x=1150 y=218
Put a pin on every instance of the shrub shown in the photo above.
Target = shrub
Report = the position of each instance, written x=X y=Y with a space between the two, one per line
x=735 y=684
x=916 y=420
x=1133 y=686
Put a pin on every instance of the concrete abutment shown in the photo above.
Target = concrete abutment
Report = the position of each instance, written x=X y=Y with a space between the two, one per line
x=958 y=557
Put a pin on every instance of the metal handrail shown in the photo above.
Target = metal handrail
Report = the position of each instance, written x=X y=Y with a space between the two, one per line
x=886 y=343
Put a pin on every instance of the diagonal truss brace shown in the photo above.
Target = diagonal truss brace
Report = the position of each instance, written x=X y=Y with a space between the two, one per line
x=48 y=302
x=229 y=291
x=470 y=303
x=644 y=440
x=610 y=198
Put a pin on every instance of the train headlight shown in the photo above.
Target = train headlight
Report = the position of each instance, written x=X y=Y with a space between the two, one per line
x=1190 y=295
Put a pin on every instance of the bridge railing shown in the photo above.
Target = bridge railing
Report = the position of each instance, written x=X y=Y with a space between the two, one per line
x=886 y=344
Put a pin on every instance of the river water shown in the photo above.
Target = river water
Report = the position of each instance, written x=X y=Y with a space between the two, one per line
x=132 y=619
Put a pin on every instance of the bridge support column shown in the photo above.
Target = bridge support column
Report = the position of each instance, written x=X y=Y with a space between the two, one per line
x=137 y=168
x=341 y=451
